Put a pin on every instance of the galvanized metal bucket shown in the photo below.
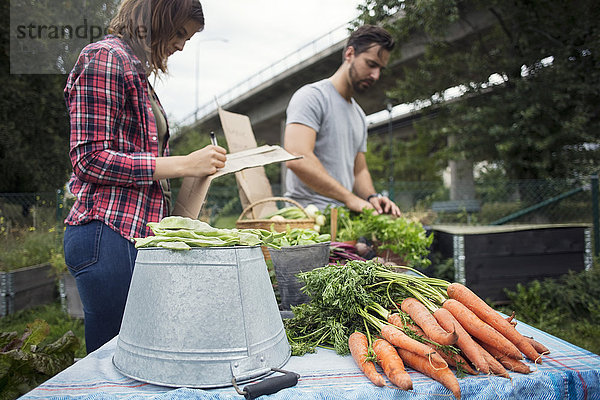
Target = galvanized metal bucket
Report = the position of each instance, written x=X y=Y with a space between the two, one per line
x=200 y=318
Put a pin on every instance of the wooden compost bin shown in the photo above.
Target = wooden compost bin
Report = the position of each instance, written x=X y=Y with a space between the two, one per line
x=489 y=259
x=26 y=287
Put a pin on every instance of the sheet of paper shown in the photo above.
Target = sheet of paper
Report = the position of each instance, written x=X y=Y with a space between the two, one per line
x=193 y=191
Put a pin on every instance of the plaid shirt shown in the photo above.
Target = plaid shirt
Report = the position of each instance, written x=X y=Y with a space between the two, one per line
x=113 y=141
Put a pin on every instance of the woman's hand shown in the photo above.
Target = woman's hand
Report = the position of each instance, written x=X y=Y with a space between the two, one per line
x=205 y=161
x=200 y=163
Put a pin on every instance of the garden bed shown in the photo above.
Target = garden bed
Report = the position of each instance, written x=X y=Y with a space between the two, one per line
x=27 y=287
x=490 y=259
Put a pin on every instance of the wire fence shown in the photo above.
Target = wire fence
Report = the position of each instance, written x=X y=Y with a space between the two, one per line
x=495 y=203
x=549 y=201
x=31 y=211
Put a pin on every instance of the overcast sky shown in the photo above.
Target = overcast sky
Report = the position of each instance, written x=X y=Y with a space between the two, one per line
x=242 y=37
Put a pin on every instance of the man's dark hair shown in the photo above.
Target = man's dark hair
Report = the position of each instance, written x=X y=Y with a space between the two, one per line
x=367 y=36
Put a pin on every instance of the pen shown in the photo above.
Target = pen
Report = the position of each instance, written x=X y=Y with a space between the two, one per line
x=213 y=138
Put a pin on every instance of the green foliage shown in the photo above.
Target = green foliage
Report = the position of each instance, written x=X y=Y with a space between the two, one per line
x=567 y=307
x=343 y=287
x=225 y=221
x=26 y=361
x=29 y=248
x=34 y=123
x=442 y=268
x=537 y=117
x=406 y=161
x=406 y=238
x=58 y=320
x=33 y=117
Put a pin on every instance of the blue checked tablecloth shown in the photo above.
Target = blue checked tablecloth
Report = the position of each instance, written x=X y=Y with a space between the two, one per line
x=568 y=372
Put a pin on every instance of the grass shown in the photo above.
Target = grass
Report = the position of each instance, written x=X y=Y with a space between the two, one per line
x=29 y=247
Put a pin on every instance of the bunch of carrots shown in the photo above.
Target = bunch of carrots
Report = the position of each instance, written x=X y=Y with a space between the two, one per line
x=464 y=333
x=394 y=320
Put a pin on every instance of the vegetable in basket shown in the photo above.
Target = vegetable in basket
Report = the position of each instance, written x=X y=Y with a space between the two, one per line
x=292 y=212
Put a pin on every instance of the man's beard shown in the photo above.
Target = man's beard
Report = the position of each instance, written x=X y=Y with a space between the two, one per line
x=359 y=86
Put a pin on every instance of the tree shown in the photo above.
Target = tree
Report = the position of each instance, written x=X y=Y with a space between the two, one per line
x=34 y=123
x=530 y=83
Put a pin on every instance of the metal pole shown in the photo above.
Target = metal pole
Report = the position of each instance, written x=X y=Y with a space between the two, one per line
x=595 y=214
x=537 y=206
x=59 y=205
x=391 y=145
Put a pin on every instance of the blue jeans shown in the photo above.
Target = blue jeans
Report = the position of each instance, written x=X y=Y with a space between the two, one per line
x=102 y=261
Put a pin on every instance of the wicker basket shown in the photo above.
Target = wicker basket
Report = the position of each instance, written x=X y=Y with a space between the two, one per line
x=268 y=224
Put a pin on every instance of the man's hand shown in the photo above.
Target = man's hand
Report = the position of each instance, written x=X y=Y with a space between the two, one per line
x=383 y=205
x=357 y=204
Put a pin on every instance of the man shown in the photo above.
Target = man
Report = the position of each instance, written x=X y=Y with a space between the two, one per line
x=328 y=128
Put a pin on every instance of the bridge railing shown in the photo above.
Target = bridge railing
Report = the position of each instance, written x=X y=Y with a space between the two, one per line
x=303 y=53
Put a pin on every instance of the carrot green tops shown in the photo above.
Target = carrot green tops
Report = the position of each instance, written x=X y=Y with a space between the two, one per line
x=113 y=141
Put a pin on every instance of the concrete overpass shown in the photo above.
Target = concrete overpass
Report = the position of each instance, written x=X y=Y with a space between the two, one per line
x=265 y=103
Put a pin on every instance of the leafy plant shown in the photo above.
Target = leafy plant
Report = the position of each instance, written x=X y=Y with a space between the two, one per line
x=402 y=236
x=26 y=363
x=517 y=101
x=340 y=294
x=56 y=317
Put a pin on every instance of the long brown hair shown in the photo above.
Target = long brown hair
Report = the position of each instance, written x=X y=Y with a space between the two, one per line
x=149 y=25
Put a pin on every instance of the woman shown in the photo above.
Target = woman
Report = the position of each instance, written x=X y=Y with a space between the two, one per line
x=119 y=152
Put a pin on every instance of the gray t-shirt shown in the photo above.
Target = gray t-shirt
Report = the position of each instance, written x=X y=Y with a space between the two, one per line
x=341 y=128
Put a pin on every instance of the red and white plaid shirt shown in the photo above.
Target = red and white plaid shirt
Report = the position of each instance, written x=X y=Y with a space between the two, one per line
x=114 y=141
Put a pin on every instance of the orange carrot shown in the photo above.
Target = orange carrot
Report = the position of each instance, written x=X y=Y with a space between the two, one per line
x=399 y=339
x=392 y=364
x=480 y=330
x=496 y=367
x=511 y=319
x=422 y=364
x=396 y=320
x=540 y=348
x=359 y=348
x=465 y=342
x=490 y=316
x=422 y=317
x=507 y=362
x=455 y=360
